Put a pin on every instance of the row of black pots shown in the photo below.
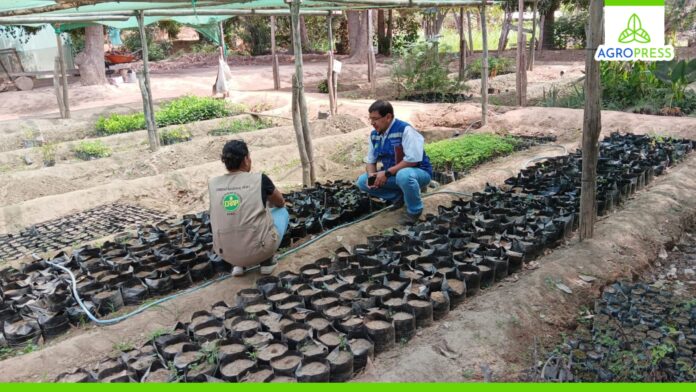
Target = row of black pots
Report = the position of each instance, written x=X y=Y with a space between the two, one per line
x=78 y=228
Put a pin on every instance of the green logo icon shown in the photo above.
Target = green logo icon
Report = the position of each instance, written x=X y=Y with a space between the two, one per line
x=231 y=202
x=634 y=32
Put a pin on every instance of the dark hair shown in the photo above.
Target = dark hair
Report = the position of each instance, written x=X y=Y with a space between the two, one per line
x=234 y=153
x=383 y=107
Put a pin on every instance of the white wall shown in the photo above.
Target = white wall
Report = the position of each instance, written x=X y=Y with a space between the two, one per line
x=39 y=52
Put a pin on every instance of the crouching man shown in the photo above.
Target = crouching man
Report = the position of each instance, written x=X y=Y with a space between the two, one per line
x=247 y=213
x=405 y=165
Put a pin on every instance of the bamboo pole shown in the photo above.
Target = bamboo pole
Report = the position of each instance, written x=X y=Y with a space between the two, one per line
x=521 y=74
x=300 y=121
x=468 y=27
x=592 y=124
x=462 y=45
x=274 y=55
x=530 y=59
x=144 y=82
x=484 y=66
x=330 y=72
x=57 y=87
x=63 y=77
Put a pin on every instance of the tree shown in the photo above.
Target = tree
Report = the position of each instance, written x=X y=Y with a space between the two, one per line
x=357 y=35
x=91 y=60
x=680 y=16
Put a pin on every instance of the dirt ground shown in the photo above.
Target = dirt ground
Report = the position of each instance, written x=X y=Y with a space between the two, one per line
x=498 y=330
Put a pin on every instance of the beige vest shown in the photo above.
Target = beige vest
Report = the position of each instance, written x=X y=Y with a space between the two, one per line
x=243 y=230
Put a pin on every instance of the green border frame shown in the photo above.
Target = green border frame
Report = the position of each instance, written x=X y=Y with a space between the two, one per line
x=381 y=387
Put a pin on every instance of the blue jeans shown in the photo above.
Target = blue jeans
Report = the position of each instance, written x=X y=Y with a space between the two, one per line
x=281 y=218
x=406 y=183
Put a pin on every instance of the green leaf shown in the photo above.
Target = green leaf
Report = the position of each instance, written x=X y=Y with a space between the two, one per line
x=642 y=36
x=678 y=71
x=626 y=36
x=634 y=23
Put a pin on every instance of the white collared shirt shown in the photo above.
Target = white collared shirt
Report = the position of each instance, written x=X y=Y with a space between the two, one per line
x=412 y=142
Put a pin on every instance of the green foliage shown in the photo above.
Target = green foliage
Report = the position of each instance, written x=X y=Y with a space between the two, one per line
x=573 y=99
x=94 y=149
x=20 y=33
x=569 y=31
x=255 y=32
x=156 y=50
x=120 y=123
x=204 y=47
x=422 y=69
x=189 y=109
x=173 y=136
x=240 y=125
x=677 y=75
x=405 y=31
x=323 y=86
x=179 y=111
x=48 y=153
x=171 y=27
x=76 y=38
x=467 y=151
x=496 y=66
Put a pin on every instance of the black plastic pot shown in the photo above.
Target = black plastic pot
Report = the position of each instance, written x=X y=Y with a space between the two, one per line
x=441 y=304
x=234 y=367
x=313 y=371
x=363 y=349
x=341 y=364
x=422 y=310
x=286 y=364
x=380 y=329
x=295 y=333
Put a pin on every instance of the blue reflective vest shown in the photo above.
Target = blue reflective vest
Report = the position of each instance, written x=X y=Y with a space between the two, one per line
x=385 y=151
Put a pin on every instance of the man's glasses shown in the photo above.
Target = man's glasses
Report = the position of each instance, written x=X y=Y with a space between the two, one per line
x=374 y=120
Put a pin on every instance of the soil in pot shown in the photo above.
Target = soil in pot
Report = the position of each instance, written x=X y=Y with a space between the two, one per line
x=315 y=371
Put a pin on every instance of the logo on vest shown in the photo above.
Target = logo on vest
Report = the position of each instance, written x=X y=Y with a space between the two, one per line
x=231 y=202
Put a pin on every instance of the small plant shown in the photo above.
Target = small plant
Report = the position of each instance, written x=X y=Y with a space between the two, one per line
x=257 y=108
x=343 y=343
x=48 y=153
x=123 y=346
x=253 y=355
x=323 y=87
x=496 y=66
x=173 y=136
x=120 y=123
x=241 y=125
x=423 y=69
x=189 y=109
x=87 y=150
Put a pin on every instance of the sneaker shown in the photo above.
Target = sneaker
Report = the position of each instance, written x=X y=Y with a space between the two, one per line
x=410 y=219
x=269 y=265
x=237 y=271
x=397 y=204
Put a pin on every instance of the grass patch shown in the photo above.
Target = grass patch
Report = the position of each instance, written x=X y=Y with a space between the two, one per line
x=87 y=150
x=496 y=66
x=173 y=136
x=467 y=151
x=241 y=125
x=182 y=110
x=9 y=352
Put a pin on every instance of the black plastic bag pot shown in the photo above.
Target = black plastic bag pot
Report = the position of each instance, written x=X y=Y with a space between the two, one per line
x=234 y=367
x=273 y=349
x=202 y=269
x=310 y=271
x=113 y=370
x=323 y=300
x=313 y=349
x=338 y=311
x=278 y=295
x=202 y=371
x=331 y=338
x=313 y=371
x=258 y=375
x=487 y=274
x=208 y=331
x=159 y=285
x=53 y=324
x=404 y=324
x=108 y=301
x=77 y=315
x=286 y=364
x=499 y=266
x=296 y=333
x=422 y=309
x=267 y=283
x=246 y=296
x=231 y=346
x=456 y=290
x=441 y=304
x=77 y=375
x=257 y=308
x=288 y=278
x=348 y=293
x=380 y=329
x=352 y=326
x=20 y=331
x=180 y=280
x=318 y=322
x=324 y=281
x=241 y=327
x=290 y=304
x=341 y=364
x=168 y=346
x=378 y=292
x=363 y=349
x=133 y=291
x=472 y=278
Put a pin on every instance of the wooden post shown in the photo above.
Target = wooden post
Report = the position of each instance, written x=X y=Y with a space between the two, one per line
x=530 y=61
x=63 y=77
x=468 y=27
x=222 y=40
x=371 y=61
x=300 y=120
x=521 y=75
x=330 y=74
x=484 y=67
x=144 y=82
x=507 y=21
x=592 y=123
x=57 y=87
x=462 y=45
x=274 y=55
x=540 y=48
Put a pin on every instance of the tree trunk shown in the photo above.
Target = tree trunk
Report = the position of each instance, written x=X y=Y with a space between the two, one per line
x=484 y=66
x=592 y=124
x=146 y=90
x=274 y=55
x=468 y=27
x=547 y=38
x=343 y=45
x=357 y=35
x=390 y=29
x=530 y=59
x=462 y=43
x=540 y=48
x=381 y=33
x=306 y=45
x=521 y=75
x=63 y=77
x=440 y=20
x=504 y=32
x=91 y=60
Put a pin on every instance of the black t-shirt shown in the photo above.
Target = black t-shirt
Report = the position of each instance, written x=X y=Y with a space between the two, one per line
x=267 y=188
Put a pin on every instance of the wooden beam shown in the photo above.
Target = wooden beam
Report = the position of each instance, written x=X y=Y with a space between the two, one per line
x=592 y=124
x=63 y=76
x=330 y=73
x=274 y=55
x=521 y=74
x=56 y=86
x=59 y=19
x=144 y=82
x=484 y=67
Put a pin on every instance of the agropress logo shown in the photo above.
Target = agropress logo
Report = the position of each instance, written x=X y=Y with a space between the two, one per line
x=634 y=31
